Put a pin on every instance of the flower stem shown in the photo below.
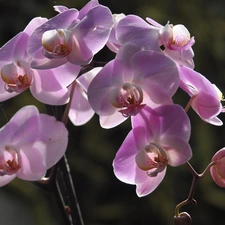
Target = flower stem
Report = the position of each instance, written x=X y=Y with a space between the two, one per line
x=67 y=194
x=187 y=107
x=195 y=177
x=59 y=182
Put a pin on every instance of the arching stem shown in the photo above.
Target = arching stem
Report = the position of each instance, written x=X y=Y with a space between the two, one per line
x=195 y=178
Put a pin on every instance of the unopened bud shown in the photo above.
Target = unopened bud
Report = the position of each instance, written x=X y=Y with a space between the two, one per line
x=182 y=219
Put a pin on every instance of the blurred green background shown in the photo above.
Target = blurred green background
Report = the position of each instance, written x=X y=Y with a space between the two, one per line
x=103 y=199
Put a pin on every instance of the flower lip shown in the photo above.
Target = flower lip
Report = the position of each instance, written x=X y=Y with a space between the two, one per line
x=128 y=99
x=153 y=156
x=17 y=78
x=10 y=163
x=57 y=43
x=176 y=37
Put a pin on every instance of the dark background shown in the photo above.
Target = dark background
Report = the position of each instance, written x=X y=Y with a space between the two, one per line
x=103 y=199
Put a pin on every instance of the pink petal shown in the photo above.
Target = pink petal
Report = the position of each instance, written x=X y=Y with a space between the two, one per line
x=112 y=120
x=93 y=31
x=60 y=8
x=27 y=131
x=184 y=57
x=178 y=150
x=150 y=184
x=33 y=165
x=217 y=171
x=33 y=24
x=101 y=86
x=220 y=181
x=154 y=23
x=124 y=164
x=219 y=155
x=80 y=110
x=135 y=30
x=174 y=122
x=14 y=49
x=47 y=89
x=206 y=105
x=153 y=72
x=207 y=101
x=41 y=62
x=54 y=135
x=24 y=114
x=91 y=4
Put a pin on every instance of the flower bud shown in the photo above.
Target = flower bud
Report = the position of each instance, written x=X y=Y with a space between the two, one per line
x=182 y=219
x=217 y=170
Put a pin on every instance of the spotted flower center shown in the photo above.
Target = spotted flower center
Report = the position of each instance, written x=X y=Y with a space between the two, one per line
x=10 y=161
x=17 y=77
x=128 y=99
x=57 y=43
x=152 y=157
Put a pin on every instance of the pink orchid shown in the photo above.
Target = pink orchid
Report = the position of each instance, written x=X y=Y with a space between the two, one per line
x=80 y=110
x=30 y=144
x=158 y=137
x=206 y=97
x=71 y=36
x=176 y=41
x=173 y=41
x=126 y=84
x=48 y=86
x=217 y=170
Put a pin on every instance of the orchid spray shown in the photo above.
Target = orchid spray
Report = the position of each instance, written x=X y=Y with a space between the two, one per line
x=145 y=83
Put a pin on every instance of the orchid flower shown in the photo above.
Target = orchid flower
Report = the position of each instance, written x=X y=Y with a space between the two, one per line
x=158 y=137
x=48 y=86
x=30 y=144
x=176 y=41
x=206 y=97
x=80 y=110
x=217 y=170
x=127 y=83
x=71 y=36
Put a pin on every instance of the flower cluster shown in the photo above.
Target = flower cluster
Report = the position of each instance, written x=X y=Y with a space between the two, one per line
x=54 y=59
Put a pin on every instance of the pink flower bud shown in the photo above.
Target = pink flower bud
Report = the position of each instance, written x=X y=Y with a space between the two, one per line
x=218 y=169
